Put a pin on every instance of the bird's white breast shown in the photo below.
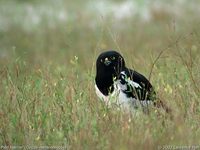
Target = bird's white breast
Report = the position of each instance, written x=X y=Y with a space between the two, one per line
x=111 y=98
x=119 y=98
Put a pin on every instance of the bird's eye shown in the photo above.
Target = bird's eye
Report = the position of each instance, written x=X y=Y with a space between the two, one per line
x=101 y=60
x=113 y=58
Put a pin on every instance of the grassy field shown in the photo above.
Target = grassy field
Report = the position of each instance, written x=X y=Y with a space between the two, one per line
x=47 y=95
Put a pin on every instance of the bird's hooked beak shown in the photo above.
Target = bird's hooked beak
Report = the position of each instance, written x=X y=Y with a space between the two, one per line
x=107 y=61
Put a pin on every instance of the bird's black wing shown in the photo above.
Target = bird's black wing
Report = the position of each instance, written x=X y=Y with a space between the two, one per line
x=140 y=87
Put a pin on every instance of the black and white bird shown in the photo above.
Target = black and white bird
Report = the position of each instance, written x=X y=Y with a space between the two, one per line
x=115 y=83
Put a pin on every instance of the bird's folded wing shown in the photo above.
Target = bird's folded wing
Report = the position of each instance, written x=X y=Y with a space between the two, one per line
x=137 y=84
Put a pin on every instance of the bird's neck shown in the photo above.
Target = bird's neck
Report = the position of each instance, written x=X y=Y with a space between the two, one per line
x=105 y=80
x=105 y=83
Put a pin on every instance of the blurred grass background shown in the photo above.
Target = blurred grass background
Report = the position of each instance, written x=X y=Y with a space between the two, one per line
x=48 y=51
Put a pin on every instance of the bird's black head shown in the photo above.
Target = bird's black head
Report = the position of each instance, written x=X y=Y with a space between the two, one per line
x=110 y=62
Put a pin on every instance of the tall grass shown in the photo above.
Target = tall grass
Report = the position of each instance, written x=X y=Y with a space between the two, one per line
x=47 y=93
